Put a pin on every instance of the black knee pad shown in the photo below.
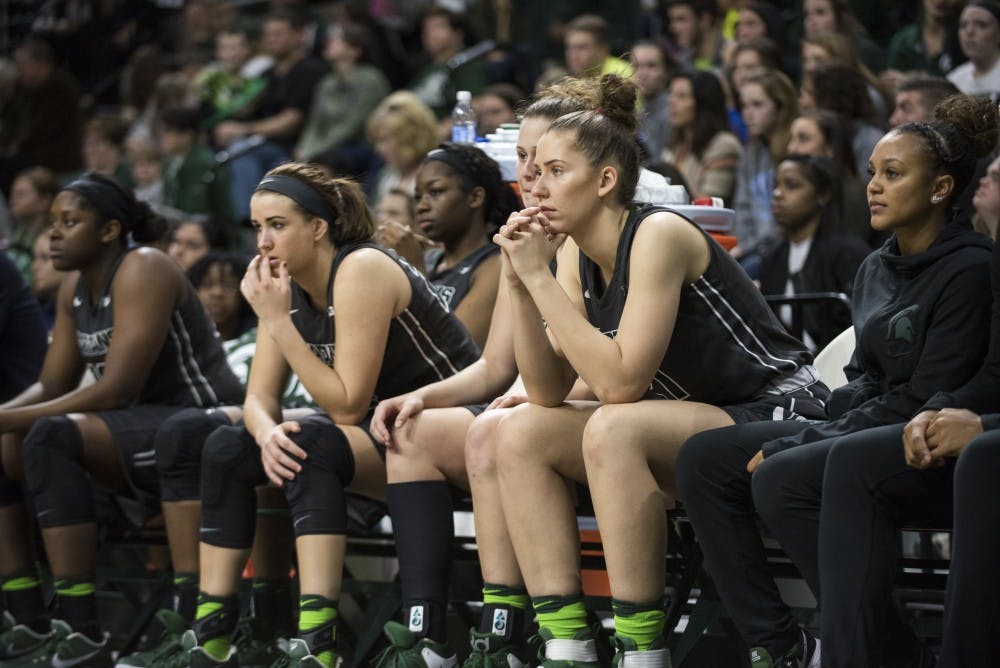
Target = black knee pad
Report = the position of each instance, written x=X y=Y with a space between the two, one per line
x=54 y=475
x=316 y=495
x=179 y=443
x=230 y=469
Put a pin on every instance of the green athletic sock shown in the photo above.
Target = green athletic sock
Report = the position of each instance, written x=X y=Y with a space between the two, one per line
x=316 y=611
x=642 y=622
x=563 y=616
x=214 y=623
x=504 y=611
x=77 y=604
x=22 y=595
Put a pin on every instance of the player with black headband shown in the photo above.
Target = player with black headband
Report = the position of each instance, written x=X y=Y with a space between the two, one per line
x=354 y=323
x=461 y=201
x=131 y=318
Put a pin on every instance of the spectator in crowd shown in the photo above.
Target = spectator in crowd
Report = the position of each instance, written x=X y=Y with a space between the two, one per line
x=30 y=199
x=45 y=280
x=403 y=130
x=979 y=37
x=843 y=90
x=164 y=354
x=22 y=344
x=588 y=48
x=694 y=26
x=821 y=17
x=769 y=108
x=496 y=105
x=836 y=48
x=815 y=254
x=930 y=44
x=234 y=81
x=700 y=144
x=654 y=66
x=397 y=206
x=193 y=182
x=752 y=57
x=49 y=124
x=846 y=545
x=823 y=133
x=917 y=95
x=986 y=200
x=446 y=37
x=264 y=134
x=192 y=239
x=343 y=101
x=141 y=78
x=745 y=60
x=104 y=148
x=924 y=290
x=146 y=163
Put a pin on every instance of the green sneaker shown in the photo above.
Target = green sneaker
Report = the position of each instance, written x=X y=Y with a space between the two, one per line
x=194 y=656
x=298 y=656
x=492 y=651
x=803 y=654
x=17 y=640
x=76 y=649
x=41 y=655
x=254 y=648
x=580 y=651
x=627 y=654
x=169 y=644
x=407 y=651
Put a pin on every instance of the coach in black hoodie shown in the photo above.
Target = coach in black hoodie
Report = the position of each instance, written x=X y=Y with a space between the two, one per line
x=921 y=315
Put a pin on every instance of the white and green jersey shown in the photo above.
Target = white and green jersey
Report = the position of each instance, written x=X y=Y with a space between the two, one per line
x=239 y=354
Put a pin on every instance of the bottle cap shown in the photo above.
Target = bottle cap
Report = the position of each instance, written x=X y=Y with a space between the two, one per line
x=463 y=96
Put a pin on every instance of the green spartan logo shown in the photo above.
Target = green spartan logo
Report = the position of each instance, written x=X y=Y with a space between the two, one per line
x=901 y=327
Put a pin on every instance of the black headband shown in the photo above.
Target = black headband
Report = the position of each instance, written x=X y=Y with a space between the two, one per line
x=301 y=193
x=108 y=200
x=448 y=158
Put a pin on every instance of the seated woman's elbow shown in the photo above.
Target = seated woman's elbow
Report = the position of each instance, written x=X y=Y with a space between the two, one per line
x=347 y=416
x=619 y=393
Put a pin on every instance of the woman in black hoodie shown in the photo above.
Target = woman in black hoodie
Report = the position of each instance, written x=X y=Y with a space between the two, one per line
x=921 y=313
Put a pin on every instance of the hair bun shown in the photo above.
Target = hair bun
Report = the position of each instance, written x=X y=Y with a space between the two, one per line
x=617 y=100
x=975 y=118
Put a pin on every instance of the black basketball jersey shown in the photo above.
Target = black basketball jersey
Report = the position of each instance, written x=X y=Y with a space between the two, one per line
x=727 y=346
x=426 y=341
x=454 y=283
x=191 y=369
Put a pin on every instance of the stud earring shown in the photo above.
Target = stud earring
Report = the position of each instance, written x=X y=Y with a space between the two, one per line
x=936 y=199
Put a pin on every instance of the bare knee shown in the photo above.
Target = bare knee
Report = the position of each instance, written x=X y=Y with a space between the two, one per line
x=480 y=444
x=606 y=438
x=518 y=435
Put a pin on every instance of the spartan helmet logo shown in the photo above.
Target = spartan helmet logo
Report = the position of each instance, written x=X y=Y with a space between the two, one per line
x=901 y=327
x=417 y=618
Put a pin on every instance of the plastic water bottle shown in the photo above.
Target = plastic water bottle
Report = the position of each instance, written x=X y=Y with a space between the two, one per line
x=463 y=119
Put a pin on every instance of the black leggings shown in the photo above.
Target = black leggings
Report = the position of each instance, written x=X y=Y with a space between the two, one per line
x=972 y=608
x=714 y=485
x=846 y=547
